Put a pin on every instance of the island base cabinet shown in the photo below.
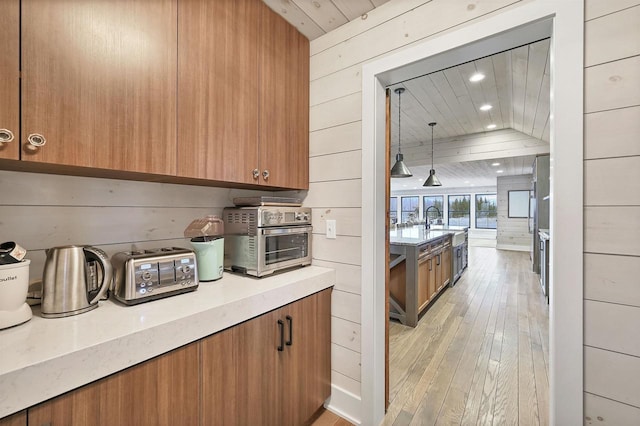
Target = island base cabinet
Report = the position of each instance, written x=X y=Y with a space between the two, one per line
x=162 y=391
x=272 y=370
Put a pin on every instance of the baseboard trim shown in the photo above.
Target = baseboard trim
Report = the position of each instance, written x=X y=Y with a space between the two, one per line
x=512 y=247
x=344 y=404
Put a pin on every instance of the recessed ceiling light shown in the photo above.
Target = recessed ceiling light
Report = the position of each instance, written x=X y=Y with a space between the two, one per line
x=466 y=181
x=485 y=107
x=476 y=77
x=473 y=184
x=404 y=186
x=495 y=164
x=491 y=126
x=499 y=171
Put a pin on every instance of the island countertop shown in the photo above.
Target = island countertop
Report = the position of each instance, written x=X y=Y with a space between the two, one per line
x=418 y=235
x=44 y=358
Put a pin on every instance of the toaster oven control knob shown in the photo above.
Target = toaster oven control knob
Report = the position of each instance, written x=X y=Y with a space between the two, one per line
x=146 y=275
x=186 y=269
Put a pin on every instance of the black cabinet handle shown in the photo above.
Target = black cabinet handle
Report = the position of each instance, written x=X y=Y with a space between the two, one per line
x=290 y=321
x=438 y=261
x=430 y=263
x=281 y=327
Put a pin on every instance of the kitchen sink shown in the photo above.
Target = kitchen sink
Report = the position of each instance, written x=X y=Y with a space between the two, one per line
x=458 y=238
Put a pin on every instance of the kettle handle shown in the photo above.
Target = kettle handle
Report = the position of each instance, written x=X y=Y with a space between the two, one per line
x=94 y=253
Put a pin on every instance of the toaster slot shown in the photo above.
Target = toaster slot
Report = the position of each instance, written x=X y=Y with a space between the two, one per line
x=167 y=272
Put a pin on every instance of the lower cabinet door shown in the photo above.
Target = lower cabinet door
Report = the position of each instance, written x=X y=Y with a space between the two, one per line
x=432 y=277
x=446 y=265
x=161 y=391
x=306 y=366
x=240 y=373
x=18 y=419
x=423 y=282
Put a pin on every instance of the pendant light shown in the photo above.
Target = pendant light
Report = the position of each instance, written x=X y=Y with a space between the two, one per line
x=432 y=180
x=400 y=170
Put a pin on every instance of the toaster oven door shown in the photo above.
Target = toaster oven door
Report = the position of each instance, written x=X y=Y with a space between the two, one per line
x=284 y=247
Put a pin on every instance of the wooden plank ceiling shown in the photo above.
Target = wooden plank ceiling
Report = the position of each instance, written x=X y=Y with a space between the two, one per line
x=314 y=18
x=468 y=174
x=516 y=85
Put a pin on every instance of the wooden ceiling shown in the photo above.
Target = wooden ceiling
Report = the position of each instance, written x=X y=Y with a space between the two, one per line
x=516 y=85
x=469 y=174
x=314 y=18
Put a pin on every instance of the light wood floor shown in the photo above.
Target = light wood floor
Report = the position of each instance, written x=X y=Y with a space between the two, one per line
x=480 y=354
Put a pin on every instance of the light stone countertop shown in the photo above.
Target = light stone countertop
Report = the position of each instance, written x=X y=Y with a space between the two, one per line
x=417 y=235
x=44 y=358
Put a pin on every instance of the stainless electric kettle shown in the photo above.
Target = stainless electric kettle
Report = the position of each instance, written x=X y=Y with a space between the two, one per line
x=70 y=280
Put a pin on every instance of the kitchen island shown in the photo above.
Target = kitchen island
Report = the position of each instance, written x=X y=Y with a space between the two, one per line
x=44 y=358
x=426 y=269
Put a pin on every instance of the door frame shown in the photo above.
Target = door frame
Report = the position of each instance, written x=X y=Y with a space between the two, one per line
x=566 y=197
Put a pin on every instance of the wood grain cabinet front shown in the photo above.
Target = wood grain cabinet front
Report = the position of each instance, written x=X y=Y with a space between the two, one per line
x=243 y=95
x=162 y=391
x=272 y=370
x=10 y=79
x=284 y=103
x=18 y=419
x=99 y=84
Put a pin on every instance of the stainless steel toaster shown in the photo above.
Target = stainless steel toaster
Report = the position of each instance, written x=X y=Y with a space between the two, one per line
x=140 y=276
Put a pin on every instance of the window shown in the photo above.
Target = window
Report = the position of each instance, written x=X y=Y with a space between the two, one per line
x=410 y=208
x=436 y=201
x=486 y=211
x=393 y=210
x=459 y=210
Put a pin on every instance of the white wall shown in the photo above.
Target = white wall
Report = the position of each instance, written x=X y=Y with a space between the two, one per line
x=612 y=131
x=336 y=151
x=513 y=233
x=612 y=212
x=40 y=211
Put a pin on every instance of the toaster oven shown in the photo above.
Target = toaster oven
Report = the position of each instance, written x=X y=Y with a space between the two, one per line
x=262 y=240
x=140 y=276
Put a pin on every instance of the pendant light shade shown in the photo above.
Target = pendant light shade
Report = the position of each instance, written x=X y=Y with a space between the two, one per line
x=399 y=169
x=432 y=180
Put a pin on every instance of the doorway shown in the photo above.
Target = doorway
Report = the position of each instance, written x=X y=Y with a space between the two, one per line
x=488 y=37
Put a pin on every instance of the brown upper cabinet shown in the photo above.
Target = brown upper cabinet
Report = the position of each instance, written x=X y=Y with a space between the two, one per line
x=243 y=95
x=9 y=78
x=284 y=103
x=99 y=84
x=216 y=91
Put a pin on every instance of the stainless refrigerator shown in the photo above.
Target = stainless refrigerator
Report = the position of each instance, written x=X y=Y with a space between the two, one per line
x=538 y=206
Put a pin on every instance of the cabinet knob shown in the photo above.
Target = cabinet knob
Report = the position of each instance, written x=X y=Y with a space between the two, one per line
x=256 y=173
x=6 y=135
x=265 y=174
x=36 y=139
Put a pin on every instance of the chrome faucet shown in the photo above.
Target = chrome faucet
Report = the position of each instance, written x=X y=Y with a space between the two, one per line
x=427 y=225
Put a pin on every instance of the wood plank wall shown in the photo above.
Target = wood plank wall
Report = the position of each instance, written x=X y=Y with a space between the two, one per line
x=612 y=132
x=513 y=233
x=335 y=189
x=40 y=211
x=612 y=212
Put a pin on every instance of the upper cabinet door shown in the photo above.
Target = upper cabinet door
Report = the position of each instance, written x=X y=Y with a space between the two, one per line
x=284 y=103
x=99 y=83
x=9 y=78
x=218 y=89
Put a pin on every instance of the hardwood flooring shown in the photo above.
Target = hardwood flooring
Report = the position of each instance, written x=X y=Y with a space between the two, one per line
x=480 y=354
